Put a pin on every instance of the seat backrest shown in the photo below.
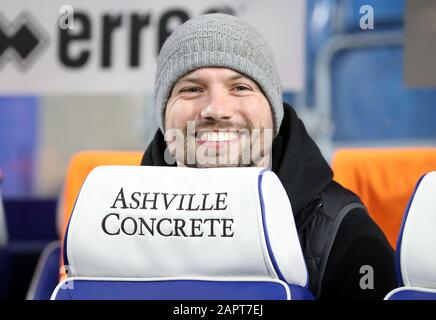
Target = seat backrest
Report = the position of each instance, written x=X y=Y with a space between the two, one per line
x=379 y=107
x=383 y=109
x=384 y=180
x=178 y=228
x=415 y=255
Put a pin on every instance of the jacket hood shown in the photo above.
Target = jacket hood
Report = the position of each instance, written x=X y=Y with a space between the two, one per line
x=297 y=160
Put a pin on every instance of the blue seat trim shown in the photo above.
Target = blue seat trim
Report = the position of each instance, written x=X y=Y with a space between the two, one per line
x=400 y=236
x=83 y=289
x=410 y=294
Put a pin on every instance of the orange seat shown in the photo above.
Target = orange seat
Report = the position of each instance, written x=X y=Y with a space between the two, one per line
x=384 y=179
x=81 y=165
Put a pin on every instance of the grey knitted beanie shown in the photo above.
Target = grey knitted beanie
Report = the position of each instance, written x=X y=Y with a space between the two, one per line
x=217 y=40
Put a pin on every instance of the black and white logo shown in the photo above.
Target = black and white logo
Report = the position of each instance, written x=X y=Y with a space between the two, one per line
x=22 y=40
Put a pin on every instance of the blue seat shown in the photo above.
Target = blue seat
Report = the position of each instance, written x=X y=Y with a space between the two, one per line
x=159 y=246
x=355 y=77
x=46 y=275
x=415 y=254
x=370 y=101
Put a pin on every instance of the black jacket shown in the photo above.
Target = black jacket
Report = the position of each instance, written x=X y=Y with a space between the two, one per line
x=342 y=245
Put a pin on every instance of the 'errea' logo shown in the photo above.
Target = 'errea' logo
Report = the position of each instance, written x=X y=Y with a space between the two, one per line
x=21 y=40
x=76 y=27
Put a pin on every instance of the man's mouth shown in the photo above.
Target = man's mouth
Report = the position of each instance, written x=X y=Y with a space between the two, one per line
x=216 y=136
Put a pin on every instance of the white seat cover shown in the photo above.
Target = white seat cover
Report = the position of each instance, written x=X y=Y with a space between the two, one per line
x=230 y=223
x=418 y=256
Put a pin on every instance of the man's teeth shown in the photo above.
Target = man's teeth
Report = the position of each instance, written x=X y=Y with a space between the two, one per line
x=217 y=136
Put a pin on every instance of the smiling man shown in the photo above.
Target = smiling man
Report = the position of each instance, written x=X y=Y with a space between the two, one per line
x=217 y=117
x=219 y=101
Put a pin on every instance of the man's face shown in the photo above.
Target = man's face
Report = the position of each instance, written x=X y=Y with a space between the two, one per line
x=217 y=117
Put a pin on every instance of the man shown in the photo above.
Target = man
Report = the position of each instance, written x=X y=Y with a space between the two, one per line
x=219 y=102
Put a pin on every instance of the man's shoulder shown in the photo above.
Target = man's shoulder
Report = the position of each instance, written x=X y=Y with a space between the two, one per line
x=331 y=232
x=351 y=217
x=357 y=240
x=342 y=204
x=338 y=201
x=353 y=222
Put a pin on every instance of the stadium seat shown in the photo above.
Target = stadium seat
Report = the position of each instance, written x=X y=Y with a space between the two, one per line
x=384 y=180
x=50 y=266
x=358 y=103
x=415 y=256
x=181 y=233
x=80 y=166
x=46 y=275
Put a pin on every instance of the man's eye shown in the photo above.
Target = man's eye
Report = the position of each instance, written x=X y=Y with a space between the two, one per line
x=190 y=90
x=241 y=88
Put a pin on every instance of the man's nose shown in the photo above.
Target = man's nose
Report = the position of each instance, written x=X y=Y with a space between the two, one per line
x=219 y=107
